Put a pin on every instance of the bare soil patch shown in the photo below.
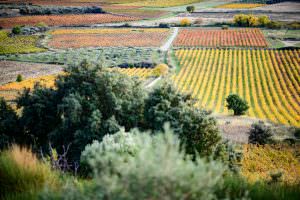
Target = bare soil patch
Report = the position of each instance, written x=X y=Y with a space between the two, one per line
x=10 y=69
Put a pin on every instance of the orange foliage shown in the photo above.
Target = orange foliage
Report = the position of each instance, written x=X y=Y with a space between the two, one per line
x=66 y=20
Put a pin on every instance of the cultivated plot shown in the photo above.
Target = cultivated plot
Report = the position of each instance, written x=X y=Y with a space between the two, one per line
x=269 y=80
x=197 y=37
x=124 y=37
x=64 y=20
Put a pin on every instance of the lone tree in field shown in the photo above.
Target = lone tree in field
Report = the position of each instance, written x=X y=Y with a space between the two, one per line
x=237 y=104
x=190 y=9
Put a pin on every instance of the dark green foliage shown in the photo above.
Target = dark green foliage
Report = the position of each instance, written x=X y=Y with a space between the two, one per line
x=259 y=133
x=16 y=30
x=19 y=78
x=87 y=104
x=190 y=9
x=225 y=27
x=164 y=25
x=54 y=10
x=195 y=128
x=297 y=133
x=237 y=104
x=9 y=126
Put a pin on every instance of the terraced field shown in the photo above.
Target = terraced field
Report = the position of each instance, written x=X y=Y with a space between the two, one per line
x=269 y=80
x=196 y=37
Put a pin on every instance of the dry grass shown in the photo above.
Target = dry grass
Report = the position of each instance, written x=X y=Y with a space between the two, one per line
x=260 y=161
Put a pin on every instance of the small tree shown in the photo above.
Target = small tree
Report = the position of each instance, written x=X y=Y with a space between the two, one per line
x=259 y=133
x=185 y=22
x=263 y=20
x=19 y=78
x=16 y=30
x=160 y=70
x=190 y=9
x=237 y=104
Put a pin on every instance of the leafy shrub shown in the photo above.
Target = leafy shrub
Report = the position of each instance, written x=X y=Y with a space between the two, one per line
x=16 y=30
x=22 y=172
x=231 y=155
x=160 y=70
x=245 y=20
x=195 y=128
x=259 y=133
x=190 y=9
x=275 y=25
x=86 y=104
x=9 y=125
x=297 y=133
x=238 y=105
x=185 y=22
x=225 y=27
x=164 y=25
x=157 y=170
x=126 y=25
x=19 y=78
x=263 y=20
x=55 y=10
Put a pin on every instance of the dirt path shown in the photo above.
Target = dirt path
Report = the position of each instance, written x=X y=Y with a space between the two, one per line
x=169 y=43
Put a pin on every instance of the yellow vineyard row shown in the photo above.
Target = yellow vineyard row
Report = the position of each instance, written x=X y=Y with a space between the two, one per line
x=269 y=80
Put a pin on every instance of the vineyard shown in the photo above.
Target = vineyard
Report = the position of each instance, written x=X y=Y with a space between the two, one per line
x=18 y=44
x=78 y=38
x=268 y=79
x=64 y=20
x=141 y=73
x=195 y=37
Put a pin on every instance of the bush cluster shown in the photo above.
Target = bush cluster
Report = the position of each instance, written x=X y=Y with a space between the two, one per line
x=53 y=10
x=90 y=102
x=251 y=20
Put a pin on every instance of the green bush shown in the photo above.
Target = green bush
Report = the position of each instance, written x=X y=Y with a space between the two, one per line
x=238 y=105
x=275 y=25
x=87 y=104
x=190 y=9
x=225 y=27
x=140 y=166
x=9 y=126
x=297 y=133
x=195 y=128
x=16 y=30
x=259 y=133
x=19 y=78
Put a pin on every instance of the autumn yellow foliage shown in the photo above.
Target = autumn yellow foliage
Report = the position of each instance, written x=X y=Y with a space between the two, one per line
x=267 y=79
x=47 y=81
x=160 y=70
x=240 y=5
x=259 y=162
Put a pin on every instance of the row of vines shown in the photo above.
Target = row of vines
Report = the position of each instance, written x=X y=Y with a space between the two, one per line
x=268 y=79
